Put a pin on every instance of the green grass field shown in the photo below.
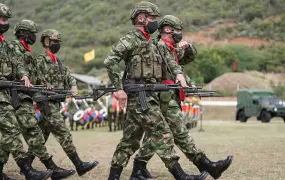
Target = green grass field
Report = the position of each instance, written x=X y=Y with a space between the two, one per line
x=258 y=151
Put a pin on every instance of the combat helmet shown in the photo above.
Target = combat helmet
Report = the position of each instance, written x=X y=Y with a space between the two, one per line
x=52 y=34
x=172 y=21
x=26 y=25
x=144 y=7
x=5 y=11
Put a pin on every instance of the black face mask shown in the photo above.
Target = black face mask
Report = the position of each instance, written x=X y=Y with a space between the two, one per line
x=31 y=38
x=177 y=37
x=54 y=48
x=151 y=27
x=4 y=28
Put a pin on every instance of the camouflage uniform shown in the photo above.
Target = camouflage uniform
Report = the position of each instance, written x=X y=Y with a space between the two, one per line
x=173 y=113
x=143 y=65
x=26 y=114
x=59 y=77
x=54 y=122
x=10 y=140
x=12 y=69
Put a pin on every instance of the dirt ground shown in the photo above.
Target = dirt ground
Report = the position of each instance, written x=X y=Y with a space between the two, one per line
x=258 y=151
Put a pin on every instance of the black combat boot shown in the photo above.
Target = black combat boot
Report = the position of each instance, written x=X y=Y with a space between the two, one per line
x=179 y=174
x=115 y=173
x=215 y=169
x=30 y=158
x=140 y=171
x=82 y=167
x=58 y=173
x=3 y=176
x=30 y=173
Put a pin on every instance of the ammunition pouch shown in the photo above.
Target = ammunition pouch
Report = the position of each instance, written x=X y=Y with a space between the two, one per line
x=165 y=97
x=145 y=63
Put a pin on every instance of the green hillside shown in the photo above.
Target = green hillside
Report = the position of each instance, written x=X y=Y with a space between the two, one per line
x=87 y=24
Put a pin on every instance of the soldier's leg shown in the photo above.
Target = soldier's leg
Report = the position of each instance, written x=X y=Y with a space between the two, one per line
x=36 y=141
x=160 y=140
x=4 y=156
x=12 y=143
x=31 y=132
x=186 y=144
x=128 y=145
x=63 y=136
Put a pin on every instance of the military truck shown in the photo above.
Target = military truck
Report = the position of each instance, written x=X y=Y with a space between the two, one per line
x=263 y=104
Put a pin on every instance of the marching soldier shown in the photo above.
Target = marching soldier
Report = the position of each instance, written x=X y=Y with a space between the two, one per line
x=25 y=32
x=12 y=69
x=143 y=65
x=57 y=75
x=170 y=29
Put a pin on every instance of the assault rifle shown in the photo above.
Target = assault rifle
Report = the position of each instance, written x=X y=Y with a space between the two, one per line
x=141 y=89
x=201 y=94
x=18 y=86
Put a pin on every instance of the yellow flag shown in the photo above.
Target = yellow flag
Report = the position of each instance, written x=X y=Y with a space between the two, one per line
x=89 y=56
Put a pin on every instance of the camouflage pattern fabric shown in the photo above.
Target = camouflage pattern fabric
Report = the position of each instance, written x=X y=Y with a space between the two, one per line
x=50 y=73
x=9 y=127
x=182 y=138
x=151 y=122
x=25 y=114
x=54 y=123
x=27 y=25
x=175 y=120
x=132 y=48
x=10 y=131
x=31 y=131
x=154 y=126
x=185 y=57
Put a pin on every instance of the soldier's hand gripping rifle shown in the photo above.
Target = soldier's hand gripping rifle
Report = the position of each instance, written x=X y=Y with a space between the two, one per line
x=18 y=86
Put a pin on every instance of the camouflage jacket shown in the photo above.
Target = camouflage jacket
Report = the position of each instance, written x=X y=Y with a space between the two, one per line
x=50 y=73
x=141 y=57
x=26 y=59
x=11 y=68
x=185 y=56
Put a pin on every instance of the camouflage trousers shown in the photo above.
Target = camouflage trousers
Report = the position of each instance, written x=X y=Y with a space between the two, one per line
x=10 y=131
x=155 y=127
x=55 y=124
x=26 y=118
x=182 y=139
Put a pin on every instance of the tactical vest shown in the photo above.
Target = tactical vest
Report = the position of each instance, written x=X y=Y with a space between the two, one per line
x=53 y=73
x=145 y=63
x=7 y=71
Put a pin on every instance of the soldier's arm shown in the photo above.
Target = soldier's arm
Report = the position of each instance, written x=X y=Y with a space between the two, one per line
x=174 y=67
x=70 y=79
x=43 y=76
x=17 y=59
x=189 y=80
x=118 y=53
x=187 y=55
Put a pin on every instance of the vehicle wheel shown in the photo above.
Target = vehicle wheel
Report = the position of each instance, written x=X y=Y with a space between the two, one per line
x=241 y=116
x=265 y=117
x=283 y=118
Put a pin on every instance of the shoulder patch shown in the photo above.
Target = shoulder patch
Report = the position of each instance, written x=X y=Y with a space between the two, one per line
x=125 y=41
